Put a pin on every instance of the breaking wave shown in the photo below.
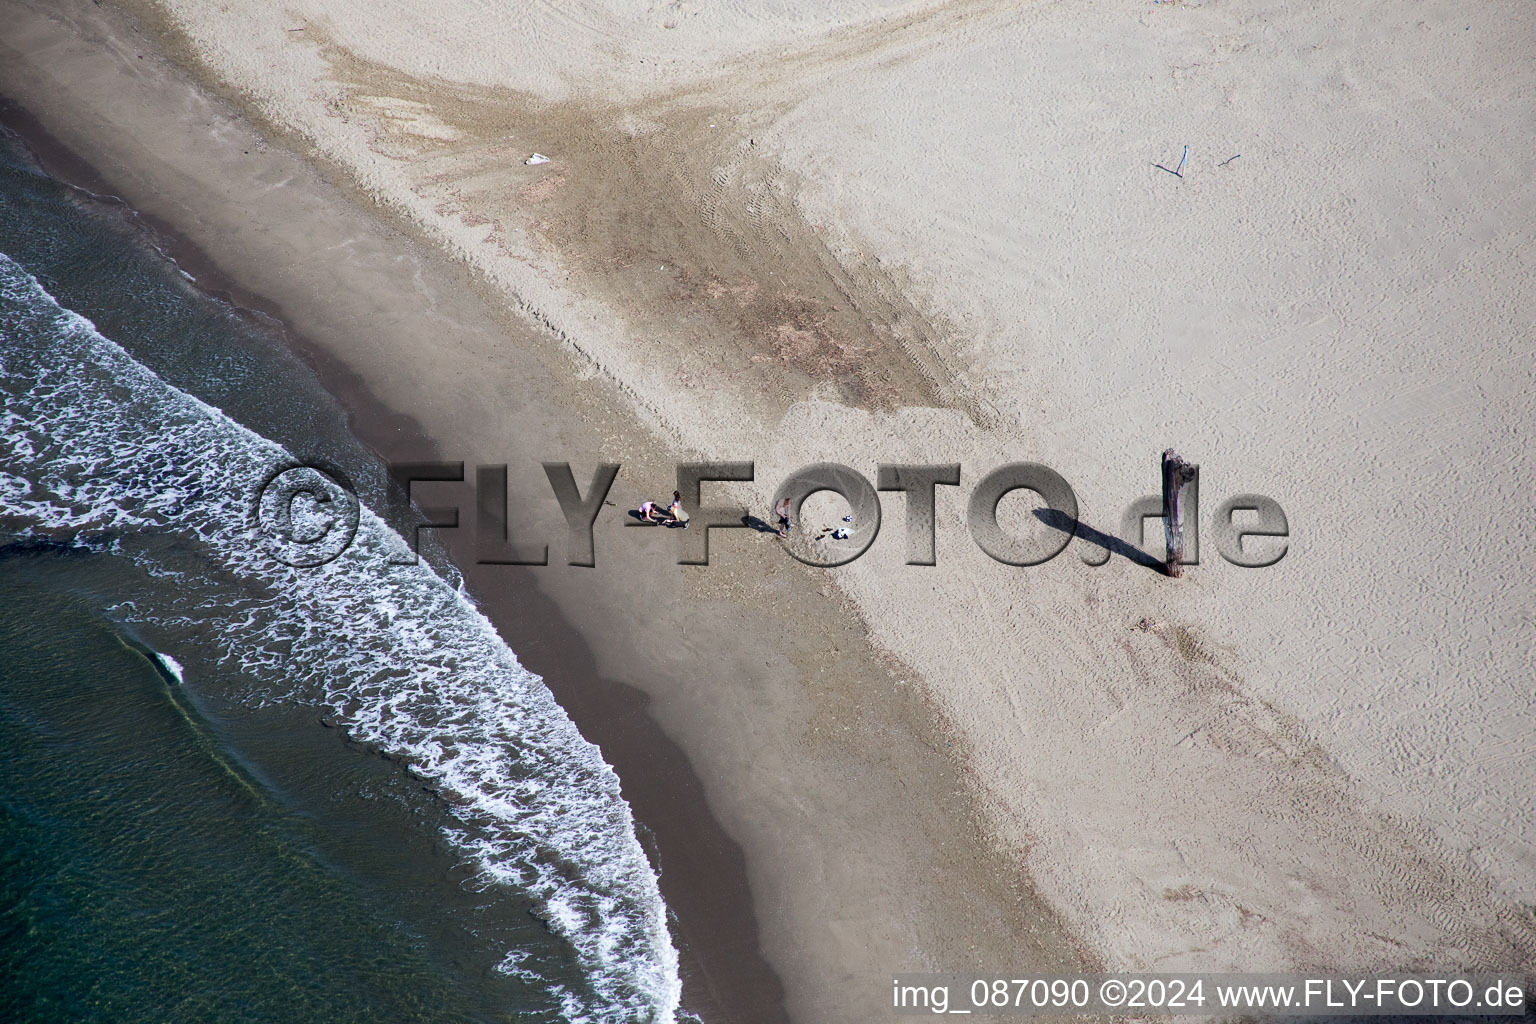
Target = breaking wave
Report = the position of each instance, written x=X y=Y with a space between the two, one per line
x=98 y=450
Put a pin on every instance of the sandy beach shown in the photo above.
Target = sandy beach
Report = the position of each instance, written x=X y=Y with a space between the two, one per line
x=1292 y=243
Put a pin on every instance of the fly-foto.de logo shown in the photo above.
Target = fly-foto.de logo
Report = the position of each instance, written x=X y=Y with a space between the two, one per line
x=308 y=514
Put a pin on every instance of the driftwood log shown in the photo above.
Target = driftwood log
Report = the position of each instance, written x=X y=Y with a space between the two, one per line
x=1180 y=478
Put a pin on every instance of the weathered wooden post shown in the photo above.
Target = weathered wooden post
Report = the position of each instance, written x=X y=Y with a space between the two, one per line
x=1179 y=480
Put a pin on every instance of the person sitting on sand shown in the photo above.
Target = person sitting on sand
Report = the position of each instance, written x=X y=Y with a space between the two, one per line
x=649 y=512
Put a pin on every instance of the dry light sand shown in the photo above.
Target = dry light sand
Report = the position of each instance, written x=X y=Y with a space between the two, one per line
x=874 y=232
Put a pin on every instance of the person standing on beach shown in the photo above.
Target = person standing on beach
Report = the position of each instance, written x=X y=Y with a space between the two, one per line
x=781 y=514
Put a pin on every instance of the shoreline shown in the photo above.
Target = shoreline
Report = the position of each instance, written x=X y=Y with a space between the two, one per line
x=967 y=765
x=724 y=976
x=974 y=915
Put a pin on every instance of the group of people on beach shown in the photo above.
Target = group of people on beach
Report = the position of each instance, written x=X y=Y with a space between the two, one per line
x=672 y=515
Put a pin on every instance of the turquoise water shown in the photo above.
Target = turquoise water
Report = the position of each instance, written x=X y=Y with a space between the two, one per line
x=334 y=794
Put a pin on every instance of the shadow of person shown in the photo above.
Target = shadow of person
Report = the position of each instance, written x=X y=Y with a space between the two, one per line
x=757 y=524
x=1114 y=545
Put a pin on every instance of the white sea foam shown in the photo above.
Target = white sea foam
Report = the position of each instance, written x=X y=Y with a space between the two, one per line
x=97 y=447
x=172 y=666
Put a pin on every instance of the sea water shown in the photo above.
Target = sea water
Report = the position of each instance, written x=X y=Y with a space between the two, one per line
x=231 y=789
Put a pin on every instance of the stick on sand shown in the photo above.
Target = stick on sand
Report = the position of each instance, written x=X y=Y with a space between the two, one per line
x=1179 y=173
